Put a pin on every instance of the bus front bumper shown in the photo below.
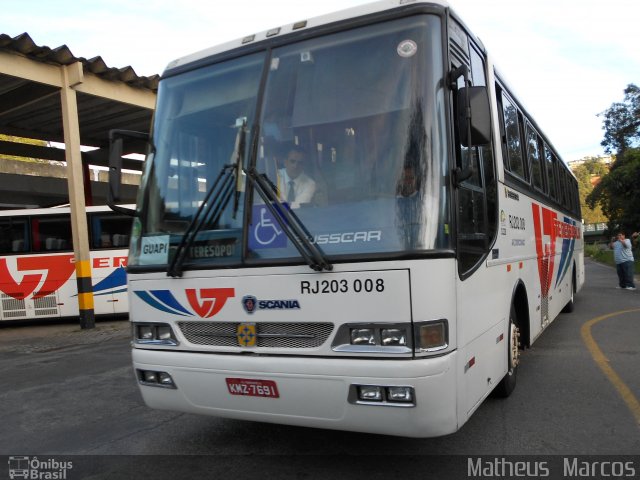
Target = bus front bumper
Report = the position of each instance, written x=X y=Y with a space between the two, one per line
x=311 y=392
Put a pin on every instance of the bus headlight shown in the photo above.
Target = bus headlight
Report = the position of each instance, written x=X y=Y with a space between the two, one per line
x=393 y=336
x=145 y=332
x=164 y=332
x=152 y=378
x=400 y=394
x=382 y=395
x=374 y=338
x=362 y=336
x=370 y=393
x=153 y=334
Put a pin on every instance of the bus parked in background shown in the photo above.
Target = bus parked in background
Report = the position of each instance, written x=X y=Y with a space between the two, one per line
x=439 y=233
x=37 y=271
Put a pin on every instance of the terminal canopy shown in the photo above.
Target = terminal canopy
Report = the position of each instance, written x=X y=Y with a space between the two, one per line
x=31 y=80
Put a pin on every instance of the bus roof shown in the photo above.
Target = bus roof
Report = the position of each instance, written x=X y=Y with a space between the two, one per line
x=299 y=26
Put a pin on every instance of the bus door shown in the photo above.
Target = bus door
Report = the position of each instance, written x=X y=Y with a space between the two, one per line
x=109 y=281
x=479 y=318
x=109 y=240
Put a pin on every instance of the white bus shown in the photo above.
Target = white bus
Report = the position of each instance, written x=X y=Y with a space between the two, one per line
x=430 y=233
x=37 y=269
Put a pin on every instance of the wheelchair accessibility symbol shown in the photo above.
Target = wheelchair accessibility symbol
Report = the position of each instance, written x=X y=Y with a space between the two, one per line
x=265 y=233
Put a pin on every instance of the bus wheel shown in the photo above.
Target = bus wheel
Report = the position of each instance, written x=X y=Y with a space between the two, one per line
x=508 y=382
x=568 y=308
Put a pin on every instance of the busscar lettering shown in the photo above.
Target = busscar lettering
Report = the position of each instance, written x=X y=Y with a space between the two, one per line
x=348 y=237
x=512 y=195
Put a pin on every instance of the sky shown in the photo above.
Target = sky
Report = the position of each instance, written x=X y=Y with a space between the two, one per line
x=566 y=60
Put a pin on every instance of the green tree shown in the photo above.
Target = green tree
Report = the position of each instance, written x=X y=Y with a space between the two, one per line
x=592 y=167
x=622 y=123
x=618 y=194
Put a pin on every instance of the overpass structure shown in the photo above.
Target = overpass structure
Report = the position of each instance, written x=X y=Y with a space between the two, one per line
x=53 y=96
x=596 y=233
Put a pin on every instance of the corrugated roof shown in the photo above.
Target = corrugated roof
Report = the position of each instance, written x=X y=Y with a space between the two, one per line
x=61 y=55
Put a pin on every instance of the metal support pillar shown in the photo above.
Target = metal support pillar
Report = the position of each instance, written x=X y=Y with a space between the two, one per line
x=73 y=75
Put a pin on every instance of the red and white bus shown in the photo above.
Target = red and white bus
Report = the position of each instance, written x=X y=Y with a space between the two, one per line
x=37 y=269
x=440 y=232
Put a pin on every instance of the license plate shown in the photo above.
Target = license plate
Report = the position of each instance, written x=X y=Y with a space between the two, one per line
x=250 y=387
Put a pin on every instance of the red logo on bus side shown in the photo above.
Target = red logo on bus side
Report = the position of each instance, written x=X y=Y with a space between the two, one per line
x=546 y=250
x=57 y=270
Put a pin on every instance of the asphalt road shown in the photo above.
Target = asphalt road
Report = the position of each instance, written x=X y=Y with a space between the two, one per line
x=67 y=392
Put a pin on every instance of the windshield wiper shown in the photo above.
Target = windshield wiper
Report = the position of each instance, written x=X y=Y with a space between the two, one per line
x=208 y=212
x=290 y=223
x=221 y=192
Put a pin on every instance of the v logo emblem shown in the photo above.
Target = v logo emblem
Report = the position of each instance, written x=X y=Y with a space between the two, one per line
x=58 y=269
x=210 y=301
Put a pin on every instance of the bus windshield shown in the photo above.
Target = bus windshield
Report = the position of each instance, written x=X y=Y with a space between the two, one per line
x=347 y=129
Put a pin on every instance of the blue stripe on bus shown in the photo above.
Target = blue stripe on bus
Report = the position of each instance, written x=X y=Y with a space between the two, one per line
x=117 y=278
x=110 y=292
x=568 y=245
x=167 y=298
x=148 y=299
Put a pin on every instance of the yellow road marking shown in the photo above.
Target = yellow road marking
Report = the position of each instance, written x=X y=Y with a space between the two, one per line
x=602 y=362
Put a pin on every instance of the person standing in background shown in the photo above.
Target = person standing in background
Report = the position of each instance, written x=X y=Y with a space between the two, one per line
x=623 y=256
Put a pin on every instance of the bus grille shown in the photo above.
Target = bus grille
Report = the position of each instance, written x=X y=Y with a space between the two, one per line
x=12 y=308
x=46 y=306
x=270 y=335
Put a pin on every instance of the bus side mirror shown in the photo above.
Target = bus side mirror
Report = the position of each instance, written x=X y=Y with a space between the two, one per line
x=474 y=117
x=116 y=148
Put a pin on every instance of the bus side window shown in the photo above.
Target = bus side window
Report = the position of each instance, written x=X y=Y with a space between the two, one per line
x=511 y=139
x=559 y=180
x=13 y=235
x=109 y=230
x=35 y=235
x=52 y=233
x=533 y=154
x=566 y=196
x=576 y=198
x=551 y=172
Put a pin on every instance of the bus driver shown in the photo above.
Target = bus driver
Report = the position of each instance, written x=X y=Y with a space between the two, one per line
x=294 y=186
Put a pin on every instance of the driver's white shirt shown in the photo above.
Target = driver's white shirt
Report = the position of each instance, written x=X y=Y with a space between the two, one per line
x=303 y=186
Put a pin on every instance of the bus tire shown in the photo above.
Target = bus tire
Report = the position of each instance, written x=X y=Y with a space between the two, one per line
x=508 y=383
x=568 y=308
